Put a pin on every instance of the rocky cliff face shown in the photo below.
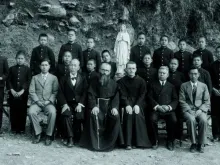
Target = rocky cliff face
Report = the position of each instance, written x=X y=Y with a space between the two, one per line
x=23 y=20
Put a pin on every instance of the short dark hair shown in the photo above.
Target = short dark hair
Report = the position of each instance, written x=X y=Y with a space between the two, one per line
x=146 y=55
x=130 y=62
x=91 y=38
x=21 y=52
x=71 y=30
x=42 y=35
x=196 y=56
x=174 y=59
x=202 y=37
x=105 y=51
x=182 y=40
x=192 y=68
x=45 y=60
x=67 y=52
x=164 y=35
x=140 y=33
x=92 y=61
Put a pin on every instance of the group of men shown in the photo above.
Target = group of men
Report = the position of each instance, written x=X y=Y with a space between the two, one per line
x=89 y=107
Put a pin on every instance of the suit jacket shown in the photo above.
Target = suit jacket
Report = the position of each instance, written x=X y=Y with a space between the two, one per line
x=91 y=54
x=165 y=95
x=207 y=57
x=70 y=93
x=137 y=54
x=4 y=69
x=40 y=91
x=205 y=78
x=162 y=57
x=76 y=51
x=39 y=53
x=202 y=100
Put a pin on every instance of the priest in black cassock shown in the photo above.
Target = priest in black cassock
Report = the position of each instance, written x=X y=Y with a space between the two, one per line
x=103 y=125
x=132 y=92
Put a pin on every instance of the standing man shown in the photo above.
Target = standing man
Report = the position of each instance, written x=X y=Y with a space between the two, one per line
x=194 y=100
x=206 y=55
x=103 y=125
x=163 y=100
x=132 y=92
x=138 y=51
x=43 y=91
x=215 y=99
x=72 y=98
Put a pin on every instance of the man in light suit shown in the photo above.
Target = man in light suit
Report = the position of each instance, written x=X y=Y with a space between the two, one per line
x=43 y=91
x=194 y=100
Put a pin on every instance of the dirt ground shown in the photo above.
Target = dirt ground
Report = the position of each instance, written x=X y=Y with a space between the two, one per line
x=18 y=150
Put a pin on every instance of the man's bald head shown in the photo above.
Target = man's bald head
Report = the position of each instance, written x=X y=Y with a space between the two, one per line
x=74 y=66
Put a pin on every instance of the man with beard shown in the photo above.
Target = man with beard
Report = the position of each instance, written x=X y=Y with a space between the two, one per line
x=103 y=125
x=71 y=97
x=132 y=92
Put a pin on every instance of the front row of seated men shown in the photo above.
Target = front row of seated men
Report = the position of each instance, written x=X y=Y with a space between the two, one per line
x=114 y=113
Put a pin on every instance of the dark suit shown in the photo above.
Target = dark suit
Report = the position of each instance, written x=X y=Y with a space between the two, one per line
x=91 y=54
x=185 y=61
x=165 y=95
x=41 y=90
x=76 y=51
x=19 y=78
x=207 y=57
x=39 y=53
x=162 y=57
x=215 y=109
x=72 y=95
x=189 y=108
x=4 y=74
x=137 y=54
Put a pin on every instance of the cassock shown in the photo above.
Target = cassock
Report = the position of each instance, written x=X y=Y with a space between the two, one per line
x=205 y=78
x=91 y=54
x=76 y=51
x=113 y=69
x=162 y=95
x=177 y=78
x=207 y=57
x=72 y=93
x=104 y=129
x=162 y=57
x=148 y=74
x=137 y=54
x=19 y=78
x=185 y=61
x=39 y=53
x=132 y=92
x=215 y=112
x=61 y=70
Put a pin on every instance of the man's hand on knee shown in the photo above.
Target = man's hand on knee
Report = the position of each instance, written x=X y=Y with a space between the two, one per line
x=198 y=112
x=65 y=107
x=114 y=112
x=95 y=111
x=136 y=109
x=128 y=109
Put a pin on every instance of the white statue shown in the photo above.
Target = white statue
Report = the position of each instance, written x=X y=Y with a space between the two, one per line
x=122 y=47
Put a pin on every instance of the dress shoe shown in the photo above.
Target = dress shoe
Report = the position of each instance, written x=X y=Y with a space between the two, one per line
x=36 y=139
x=128 y=148
x=48 y=141
x=70 y=143
x=170 y=146
x=155 y=146
x=193 y=148
x=200 y=148
x=215 y=139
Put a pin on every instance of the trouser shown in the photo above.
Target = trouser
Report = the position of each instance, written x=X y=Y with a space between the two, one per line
x=191 y=122
x=1 y=104
x=170 y=119
x=48 y=110
x=18 y=113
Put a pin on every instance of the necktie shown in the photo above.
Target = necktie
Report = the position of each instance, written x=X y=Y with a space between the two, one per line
x=162 y=84
x=194 y=93
x=73 y=79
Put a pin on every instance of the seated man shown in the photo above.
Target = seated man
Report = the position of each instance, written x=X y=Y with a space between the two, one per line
x=43 y=91
x=72 y=96
x=132 y=92
x=194 y=100
x=103 y=126
x=163 y=100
